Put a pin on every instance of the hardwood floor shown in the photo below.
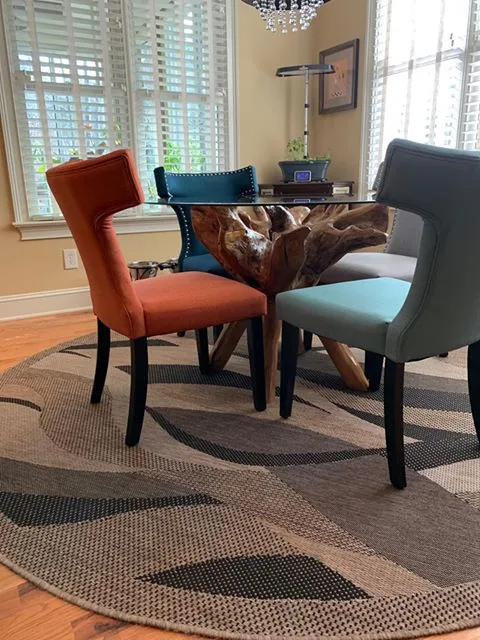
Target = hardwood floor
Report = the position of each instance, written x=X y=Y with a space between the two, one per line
x=29 y=613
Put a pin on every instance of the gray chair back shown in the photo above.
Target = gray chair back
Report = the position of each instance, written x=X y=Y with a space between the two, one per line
x=442 y=186
x=407 y=227
x=406 y=234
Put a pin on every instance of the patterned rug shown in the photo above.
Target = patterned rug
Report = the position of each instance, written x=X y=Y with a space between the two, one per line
x=230 y=523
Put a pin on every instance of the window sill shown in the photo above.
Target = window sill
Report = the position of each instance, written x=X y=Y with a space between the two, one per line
x=47 y=229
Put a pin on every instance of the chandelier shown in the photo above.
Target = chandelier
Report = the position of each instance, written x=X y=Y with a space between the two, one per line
x=287 y=15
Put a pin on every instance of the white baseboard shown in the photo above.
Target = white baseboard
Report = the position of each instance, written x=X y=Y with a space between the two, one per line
x=44 y=303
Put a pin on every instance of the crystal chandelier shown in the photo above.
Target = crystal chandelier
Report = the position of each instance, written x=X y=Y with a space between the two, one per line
x=283 y=15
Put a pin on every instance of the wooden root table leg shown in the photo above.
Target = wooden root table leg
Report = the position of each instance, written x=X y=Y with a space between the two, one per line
x=348 y=367
x=342 y=357
x=271 y=337
x=229 y=338
x=225 y=345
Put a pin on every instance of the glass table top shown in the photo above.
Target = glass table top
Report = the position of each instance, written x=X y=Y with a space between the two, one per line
x=246 y=201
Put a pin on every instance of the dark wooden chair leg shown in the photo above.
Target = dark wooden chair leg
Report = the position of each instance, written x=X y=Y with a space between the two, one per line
x=373 y=369
x=181 y=334
x=288 y=367
x=393 y=402
x=201 y=336
x=257 y=362
x=217 y=330
x=103 y=356
x=473 y=361
x=138 y=390
x=307 y=340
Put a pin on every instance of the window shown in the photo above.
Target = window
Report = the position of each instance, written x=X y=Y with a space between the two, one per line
x=425 y=69
x=89 y=76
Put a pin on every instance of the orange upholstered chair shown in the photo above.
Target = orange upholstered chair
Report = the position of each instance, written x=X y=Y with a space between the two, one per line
x=89 y=193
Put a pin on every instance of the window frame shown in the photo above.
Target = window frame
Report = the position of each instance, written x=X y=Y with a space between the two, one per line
x=135 y=221
x=370 y=40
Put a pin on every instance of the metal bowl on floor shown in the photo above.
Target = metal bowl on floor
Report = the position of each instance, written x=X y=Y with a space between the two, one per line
x=142 y=269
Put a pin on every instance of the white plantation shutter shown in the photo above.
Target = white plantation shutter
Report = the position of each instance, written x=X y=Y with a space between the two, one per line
x=88 y=76
x=181 y=85
x=69 y=85
x=470 y=127
x=426 y=76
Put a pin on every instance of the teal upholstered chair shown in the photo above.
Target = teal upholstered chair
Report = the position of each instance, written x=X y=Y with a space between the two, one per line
x=224 y=185
x=228 y=185
x=398 y=260
x=438 y=312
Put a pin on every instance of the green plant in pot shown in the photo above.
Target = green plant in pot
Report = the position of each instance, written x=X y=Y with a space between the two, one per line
x=317 y=165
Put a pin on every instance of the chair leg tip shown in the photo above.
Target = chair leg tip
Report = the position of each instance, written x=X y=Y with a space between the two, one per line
x=131 y=442
x=132 y=437
x=399 y=482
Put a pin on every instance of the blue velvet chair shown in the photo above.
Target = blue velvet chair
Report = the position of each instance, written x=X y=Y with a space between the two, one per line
x=437 y=312
x=224 y=185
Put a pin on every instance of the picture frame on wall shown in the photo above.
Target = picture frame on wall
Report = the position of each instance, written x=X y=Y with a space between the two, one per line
x=339 y=90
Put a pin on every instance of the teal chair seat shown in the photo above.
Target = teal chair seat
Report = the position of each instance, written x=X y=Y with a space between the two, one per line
x=357 y=313
x=438 y=312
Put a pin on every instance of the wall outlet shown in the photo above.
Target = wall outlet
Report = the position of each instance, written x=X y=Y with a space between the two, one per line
x=70 y=259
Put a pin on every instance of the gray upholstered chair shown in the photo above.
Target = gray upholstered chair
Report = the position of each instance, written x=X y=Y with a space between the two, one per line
x=397 y=261
x=439 y=311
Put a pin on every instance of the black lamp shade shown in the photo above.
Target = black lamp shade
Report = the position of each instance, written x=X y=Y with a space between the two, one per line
x=301 y=69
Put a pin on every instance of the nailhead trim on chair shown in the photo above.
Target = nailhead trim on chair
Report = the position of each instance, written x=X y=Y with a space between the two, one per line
x=184 y=216
x=212 y=173
x=248 y=192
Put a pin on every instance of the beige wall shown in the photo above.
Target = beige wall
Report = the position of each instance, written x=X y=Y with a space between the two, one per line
x=341 y=133
x=270 y=109
x=270 y=112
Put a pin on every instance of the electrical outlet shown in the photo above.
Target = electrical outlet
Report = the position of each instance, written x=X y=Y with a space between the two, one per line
x=70 y=259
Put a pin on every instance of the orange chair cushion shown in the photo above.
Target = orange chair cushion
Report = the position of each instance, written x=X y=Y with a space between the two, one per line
x=195 y=300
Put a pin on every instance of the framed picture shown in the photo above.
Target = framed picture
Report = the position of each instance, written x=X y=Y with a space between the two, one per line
x=339 y=90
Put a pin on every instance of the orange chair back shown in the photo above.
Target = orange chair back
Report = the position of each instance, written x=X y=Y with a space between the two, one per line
x=89 y=193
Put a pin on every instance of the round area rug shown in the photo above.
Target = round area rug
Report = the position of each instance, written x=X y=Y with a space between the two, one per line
x=229 y=523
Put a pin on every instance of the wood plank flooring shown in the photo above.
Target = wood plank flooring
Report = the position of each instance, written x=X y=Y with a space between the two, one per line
x=29 y=613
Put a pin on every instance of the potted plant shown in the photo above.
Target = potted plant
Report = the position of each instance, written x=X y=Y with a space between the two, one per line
x=316 y=165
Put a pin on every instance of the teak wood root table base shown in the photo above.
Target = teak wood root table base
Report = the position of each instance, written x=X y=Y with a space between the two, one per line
x=274 y=249
x=277 y=244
